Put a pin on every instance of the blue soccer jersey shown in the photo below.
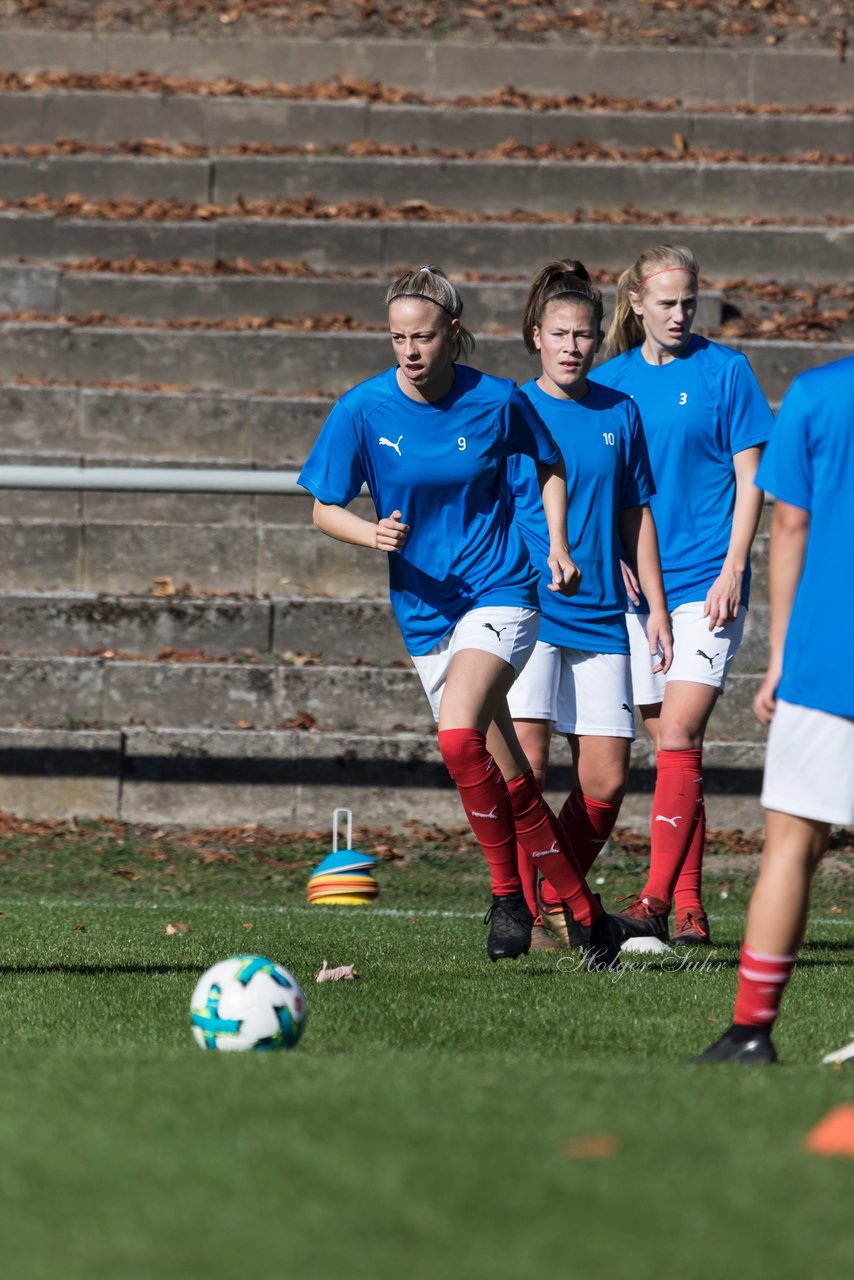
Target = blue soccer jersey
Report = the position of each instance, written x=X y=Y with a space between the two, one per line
x=607 y=470
x=442 y=466
x=809 y=463
x=698 y=411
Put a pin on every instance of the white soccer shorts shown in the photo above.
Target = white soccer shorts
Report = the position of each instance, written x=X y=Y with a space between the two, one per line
x=510 y=633
x=809 y=765
x=582 y=693
x=699 y=655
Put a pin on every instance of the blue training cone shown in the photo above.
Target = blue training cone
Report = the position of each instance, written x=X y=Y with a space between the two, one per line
x=344 y=877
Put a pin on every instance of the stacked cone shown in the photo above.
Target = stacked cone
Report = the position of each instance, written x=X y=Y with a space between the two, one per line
x=344 y=879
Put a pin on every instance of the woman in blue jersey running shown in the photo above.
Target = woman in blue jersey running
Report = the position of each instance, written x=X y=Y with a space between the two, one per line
x=706 y=419
x=808 y=784
x=429 y=437
x=578 y=679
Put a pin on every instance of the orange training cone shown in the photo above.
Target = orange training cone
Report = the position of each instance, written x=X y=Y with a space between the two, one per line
x=834 y=1135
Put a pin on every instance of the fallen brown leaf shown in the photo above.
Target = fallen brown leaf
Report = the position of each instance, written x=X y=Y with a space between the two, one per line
x=343 y=973
x=301 y=659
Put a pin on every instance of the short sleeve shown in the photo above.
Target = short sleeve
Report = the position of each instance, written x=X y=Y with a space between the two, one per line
x=638 y=486
x=749 y=420
x=513 y=475
x=786 y=469
x=333 y=472
x=525 y=432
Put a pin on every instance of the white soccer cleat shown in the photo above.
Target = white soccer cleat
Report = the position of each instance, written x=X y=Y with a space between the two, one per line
x=840 y=1055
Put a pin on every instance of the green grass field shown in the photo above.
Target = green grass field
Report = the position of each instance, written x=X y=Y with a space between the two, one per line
x=432 y=1122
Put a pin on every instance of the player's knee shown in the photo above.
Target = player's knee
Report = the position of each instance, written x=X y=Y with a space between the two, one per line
x=679 y=737
x=539 y=762
x=607 y=789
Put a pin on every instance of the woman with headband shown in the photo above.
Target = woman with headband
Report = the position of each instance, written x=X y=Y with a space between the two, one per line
x=578 y=679
x=706 y=419
x=430 y=437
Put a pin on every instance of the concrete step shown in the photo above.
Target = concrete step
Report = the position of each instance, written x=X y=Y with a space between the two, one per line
x=216 y=122
x=443 y=68
x=51 y=624
x=51 y=692
x=294 y=780
x=292 y=361
x=483 y=186
x=794 y=254
x=89 y=422
x=180 y=297
x=76 y=424
x=333 y=631
x=54 y=692
x=123 y=558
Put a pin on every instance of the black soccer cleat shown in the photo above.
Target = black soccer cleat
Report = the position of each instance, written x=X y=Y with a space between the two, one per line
x=644 y=917
x=510 y=923
x=602 y=941
x=751 y=1046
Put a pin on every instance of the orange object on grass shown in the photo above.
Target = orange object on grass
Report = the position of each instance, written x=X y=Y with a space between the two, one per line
x=834 y=1135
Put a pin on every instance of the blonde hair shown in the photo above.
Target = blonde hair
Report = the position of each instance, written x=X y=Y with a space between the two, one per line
x=565 y=278
x=431 y=283
x=626 y=329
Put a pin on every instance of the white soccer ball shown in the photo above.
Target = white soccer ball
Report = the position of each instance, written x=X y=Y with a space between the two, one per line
x=247 y=1002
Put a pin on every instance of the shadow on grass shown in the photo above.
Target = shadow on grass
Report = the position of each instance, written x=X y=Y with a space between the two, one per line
x=842 y=944
x=96 y=970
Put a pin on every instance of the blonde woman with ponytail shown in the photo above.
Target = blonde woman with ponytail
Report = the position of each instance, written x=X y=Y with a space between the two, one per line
x=706 y=420
x=430 y=439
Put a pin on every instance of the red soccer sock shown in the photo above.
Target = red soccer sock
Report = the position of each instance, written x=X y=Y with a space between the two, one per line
x=762 y=979
x=687 y=894
x=587 y=824
x=675 y=812
x=483 y=792
x=517 y=789
x=545 y=848
x=528 y=876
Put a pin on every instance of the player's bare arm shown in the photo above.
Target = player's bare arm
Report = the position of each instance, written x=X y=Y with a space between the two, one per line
x=789 y=532
x=387 y=534
x=566 y=576
x=724 y=597
x=640 y=540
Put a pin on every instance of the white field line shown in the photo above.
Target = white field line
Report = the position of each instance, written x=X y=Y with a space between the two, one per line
x=353 y=913
x=404 y=913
